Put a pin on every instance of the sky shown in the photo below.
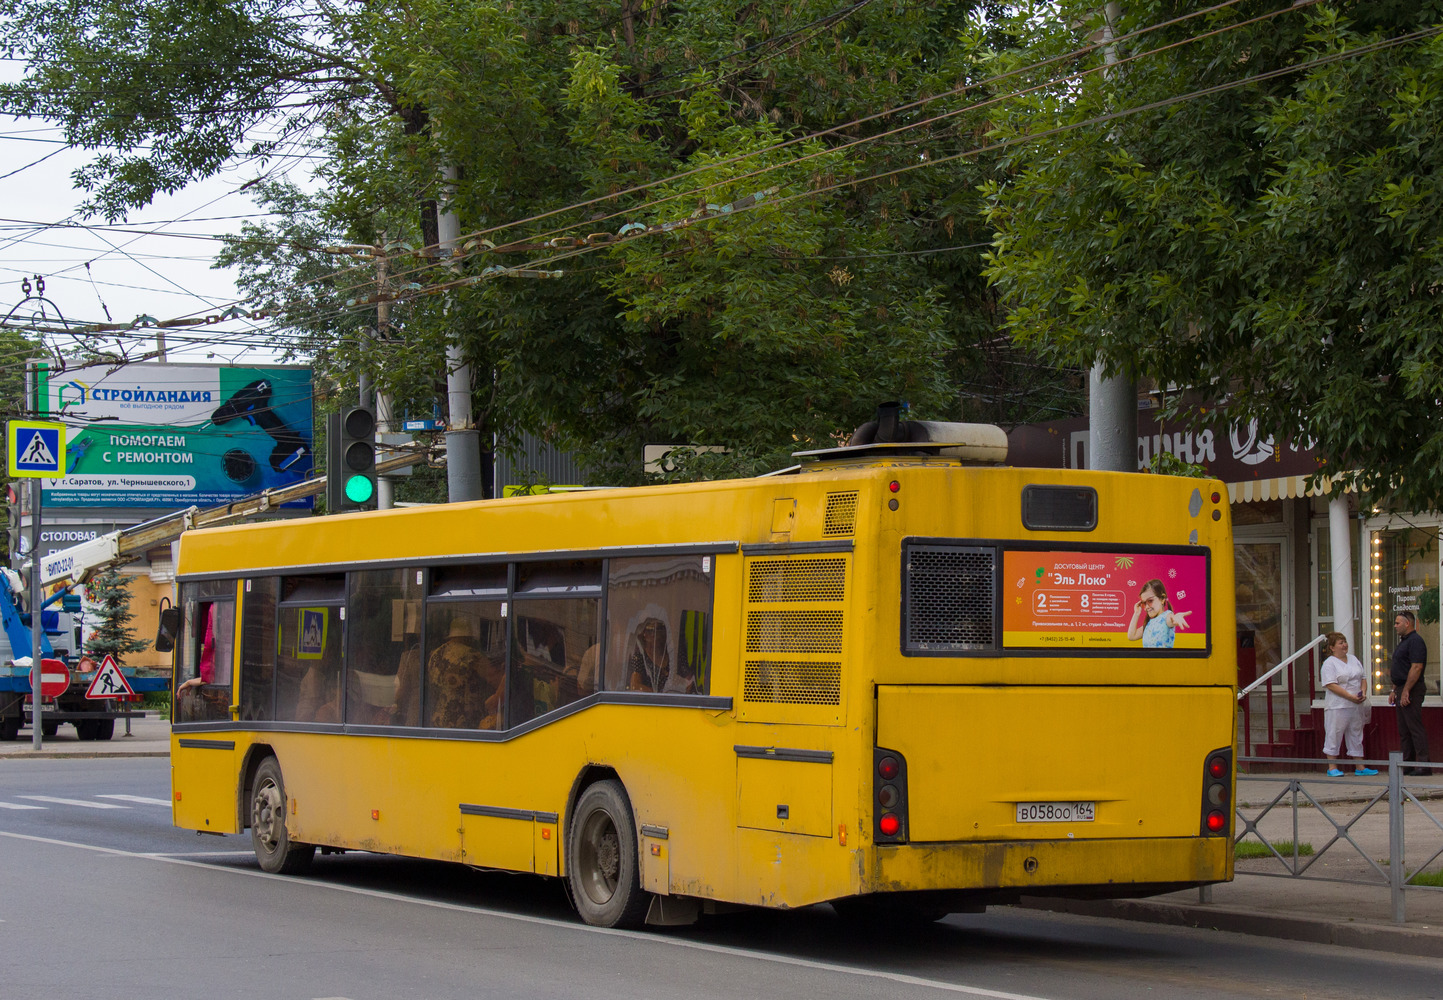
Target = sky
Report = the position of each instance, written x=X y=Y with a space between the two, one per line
x=157 y=263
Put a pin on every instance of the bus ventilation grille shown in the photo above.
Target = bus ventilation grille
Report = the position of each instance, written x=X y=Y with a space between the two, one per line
x=841 y=515
x=950 y=598
x=794 y=632
x=790 y=683
x=777 y=580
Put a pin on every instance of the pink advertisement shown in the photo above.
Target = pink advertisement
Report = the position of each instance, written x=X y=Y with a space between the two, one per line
x=1104 y=600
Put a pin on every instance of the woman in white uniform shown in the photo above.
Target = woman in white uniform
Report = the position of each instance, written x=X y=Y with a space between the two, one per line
x=1345 y=704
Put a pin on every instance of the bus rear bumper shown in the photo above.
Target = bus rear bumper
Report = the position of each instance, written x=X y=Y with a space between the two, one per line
x=1103 y=868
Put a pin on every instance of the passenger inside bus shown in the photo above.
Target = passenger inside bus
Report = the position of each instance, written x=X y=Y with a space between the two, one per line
x=462 y=684
x=407 y=708
x=319 y=698
x=649 y=667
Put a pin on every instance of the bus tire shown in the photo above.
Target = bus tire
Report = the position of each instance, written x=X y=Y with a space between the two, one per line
x=603 y=868
x=275 y=850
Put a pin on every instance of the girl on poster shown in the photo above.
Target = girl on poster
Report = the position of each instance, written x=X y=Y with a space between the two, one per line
x=1153 y=619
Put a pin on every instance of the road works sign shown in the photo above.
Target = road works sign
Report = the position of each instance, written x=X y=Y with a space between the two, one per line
x=109 y=682
x=54 y=678
x=36 y=449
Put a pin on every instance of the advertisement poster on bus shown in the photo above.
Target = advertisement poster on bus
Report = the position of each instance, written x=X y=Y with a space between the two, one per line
x=1152 y=601
x=164 y=435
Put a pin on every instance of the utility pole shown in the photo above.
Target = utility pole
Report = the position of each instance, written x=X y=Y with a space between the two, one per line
x=1111 y=402
x=463 y=441
x=37 y=699
x=385 y=488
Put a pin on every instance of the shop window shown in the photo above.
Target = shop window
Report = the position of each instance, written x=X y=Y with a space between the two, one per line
x=1403 y=570
x=658 y=625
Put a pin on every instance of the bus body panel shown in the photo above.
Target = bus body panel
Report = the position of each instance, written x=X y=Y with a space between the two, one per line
x=974 y=753
x=1106 y=868
x=202 y=776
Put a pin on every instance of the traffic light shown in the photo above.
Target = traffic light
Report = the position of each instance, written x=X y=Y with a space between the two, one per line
x=351 y=460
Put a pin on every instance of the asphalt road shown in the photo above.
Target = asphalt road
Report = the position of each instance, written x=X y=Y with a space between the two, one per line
x=101 y=897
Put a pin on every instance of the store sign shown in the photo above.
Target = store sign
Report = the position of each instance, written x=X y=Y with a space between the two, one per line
x=162 y=435
x=1235 y=453
x=1064 y=599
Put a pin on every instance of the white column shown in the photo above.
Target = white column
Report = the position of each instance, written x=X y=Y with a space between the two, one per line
x=1341 y=543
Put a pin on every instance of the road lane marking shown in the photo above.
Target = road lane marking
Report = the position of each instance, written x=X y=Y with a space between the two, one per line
x=638 y=936
x=143 y=800
x=18 y=805
x=199 y=854
x=71 y=802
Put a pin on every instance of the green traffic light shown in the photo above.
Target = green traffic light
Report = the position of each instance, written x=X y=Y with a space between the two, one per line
x=359 y=489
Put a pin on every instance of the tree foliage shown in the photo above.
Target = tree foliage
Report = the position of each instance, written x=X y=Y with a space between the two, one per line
x=1277 y=244
x=774 y=326
x=111 y=632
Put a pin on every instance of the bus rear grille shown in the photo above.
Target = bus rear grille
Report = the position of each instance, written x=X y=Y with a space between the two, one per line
x=794 y=632
x=775 y=580
x=950 y=598
x=791 y=683
x=841 y=514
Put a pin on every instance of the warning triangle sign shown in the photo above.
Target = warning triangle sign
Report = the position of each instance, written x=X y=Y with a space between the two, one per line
x=37 y=452
x=109 y=682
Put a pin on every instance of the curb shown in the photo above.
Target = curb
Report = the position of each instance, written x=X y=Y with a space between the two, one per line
x=56 y=755
x=1399 y=939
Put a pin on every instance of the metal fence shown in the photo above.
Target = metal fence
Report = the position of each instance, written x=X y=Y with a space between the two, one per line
x=1325 y=808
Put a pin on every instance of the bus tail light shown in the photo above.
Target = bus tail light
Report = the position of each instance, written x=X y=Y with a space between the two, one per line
x=1217 y=791
x=889 y=797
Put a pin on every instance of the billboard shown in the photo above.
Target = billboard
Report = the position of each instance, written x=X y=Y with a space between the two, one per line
x=1064 y=599
x=163 y=435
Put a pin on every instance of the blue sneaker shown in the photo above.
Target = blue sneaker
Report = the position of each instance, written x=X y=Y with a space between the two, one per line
x=1333 y=772
x=1365 y=771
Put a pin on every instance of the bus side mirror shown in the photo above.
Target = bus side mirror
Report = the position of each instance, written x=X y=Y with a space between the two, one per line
x=169 y=628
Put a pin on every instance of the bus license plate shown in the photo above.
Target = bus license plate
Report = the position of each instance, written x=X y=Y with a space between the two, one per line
x=1056 y=812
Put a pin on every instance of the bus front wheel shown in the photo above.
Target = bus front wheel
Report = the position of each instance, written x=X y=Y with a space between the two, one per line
x=275 y=850
x=602 y=863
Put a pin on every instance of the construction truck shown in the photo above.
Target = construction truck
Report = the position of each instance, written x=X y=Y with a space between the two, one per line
x=60 y=639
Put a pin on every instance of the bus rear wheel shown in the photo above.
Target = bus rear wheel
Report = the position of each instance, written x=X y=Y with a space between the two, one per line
x=602 y=863
x=275 y=850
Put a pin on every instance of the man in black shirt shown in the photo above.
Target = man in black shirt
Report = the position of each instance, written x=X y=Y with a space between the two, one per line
x=1407 y=694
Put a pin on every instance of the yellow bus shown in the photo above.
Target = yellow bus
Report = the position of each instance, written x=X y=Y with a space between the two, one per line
x=902 y=678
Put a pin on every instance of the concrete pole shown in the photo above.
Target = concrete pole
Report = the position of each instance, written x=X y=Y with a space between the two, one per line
x=1111 y=402
x=385 y=486
x=463 y=442
x=1341 y=546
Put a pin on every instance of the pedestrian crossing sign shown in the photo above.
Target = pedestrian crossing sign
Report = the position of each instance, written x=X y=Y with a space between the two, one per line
x=35 y=449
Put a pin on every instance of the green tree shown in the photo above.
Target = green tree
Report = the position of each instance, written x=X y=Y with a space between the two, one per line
x=111 y=632
x=770 y=328
x=1274 y=244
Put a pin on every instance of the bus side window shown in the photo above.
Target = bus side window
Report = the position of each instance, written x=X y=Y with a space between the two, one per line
x=258 y=649
x=203 y=674
x=659 y=625
x=383 y=658
x=309 y=655
x=551 y=643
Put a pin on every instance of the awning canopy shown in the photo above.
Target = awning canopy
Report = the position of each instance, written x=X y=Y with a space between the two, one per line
x=1281 y=488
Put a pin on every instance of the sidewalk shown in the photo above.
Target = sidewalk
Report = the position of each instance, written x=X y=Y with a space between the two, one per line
x=1298 y=909
x=1309 y=908
x=150 y=737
